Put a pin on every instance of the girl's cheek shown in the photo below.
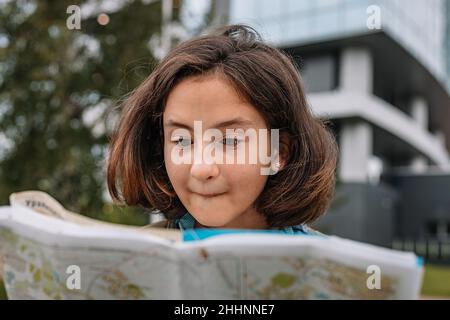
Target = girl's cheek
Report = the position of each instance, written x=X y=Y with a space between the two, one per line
x=174 y=171
x=241 y=176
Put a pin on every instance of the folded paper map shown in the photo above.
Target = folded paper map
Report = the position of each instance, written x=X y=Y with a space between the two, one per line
x=51 y=253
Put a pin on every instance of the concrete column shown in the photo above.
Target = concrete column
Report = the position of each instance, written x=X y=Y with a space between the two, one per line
x=221 y=10
x=355 y=151
x=440 y=136
x=356 y=137
x=419 y=113
x=166 y=38
x=356 y=70
x=419 y=164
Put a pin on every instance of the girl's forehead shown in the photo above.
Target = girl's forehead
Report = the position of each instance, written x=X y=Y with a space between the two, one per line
x=196 y=94
x=210 y=100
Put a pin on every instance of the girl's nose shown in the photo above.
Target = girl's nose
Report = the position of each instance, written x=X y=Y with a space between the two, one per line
x=204 y=171
x=203 y=166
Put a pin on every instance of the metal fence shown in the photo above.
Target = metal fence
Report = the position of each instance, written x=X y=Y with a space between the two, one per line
x=432 y=250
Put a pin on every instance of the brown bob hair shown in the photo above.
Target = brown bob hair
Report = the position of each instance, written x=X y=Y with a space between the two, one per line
x=269 y=80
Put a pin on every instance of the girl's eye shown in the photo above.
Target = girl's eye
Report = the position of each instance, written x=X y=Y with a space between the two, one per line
x=231 y=141
x=182 y=142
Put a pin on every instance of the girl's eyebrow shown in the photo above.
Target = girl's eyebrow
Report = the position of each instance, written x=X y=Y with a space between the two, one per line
x=235 y=121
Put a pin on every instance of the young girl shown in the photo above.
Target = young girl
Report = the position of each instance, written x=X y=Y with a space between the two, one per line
x=233 y=83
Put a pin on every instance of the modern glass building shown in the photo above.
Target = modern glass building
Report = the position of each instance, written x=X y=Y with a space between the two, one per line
x=418 y=25
x=379 y=70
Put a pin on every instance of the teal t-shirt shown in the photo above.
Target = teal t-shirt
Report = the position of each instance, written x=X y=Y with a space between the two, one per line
x=187 y=222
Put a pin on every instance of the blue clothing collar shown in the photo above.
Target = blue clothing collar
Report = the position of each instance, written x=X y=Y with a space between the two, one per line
x=187 y=221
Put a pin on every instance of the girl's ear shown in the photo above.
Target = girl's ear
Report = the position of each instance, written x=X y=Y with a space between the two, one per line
x=280 y=157
x=284 y=149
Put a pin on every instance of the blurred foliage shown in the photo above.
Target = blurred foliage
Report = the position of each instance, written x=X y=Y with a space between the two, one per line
x=59 y=89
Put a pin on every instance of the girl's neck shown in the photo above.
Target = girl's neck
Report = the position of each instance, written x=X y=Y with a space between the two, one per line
x=248 y=220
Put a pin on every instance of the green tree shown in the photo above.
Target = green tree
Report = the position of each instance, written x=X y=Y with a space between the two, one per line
x=59 y=89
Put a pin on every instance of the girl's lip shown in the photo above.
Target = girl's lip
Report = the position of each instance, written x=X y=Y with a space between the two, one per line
x=209 y=195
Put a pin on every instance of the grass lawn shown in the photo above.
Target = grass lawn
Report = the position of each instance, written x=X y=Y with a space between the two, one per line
x=2 y=291
x=436 y=282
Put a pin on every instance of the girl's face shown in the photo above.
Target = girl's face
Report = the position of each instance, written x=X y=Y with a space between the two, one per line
x=216 y=194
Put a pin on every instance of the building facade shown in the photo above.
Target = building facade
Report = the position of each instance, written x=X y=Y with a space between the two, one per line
x=379 y=70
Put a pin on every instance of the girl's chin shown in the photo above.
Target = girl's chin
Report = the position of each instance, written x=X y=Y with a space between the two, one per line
x=211 y=222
